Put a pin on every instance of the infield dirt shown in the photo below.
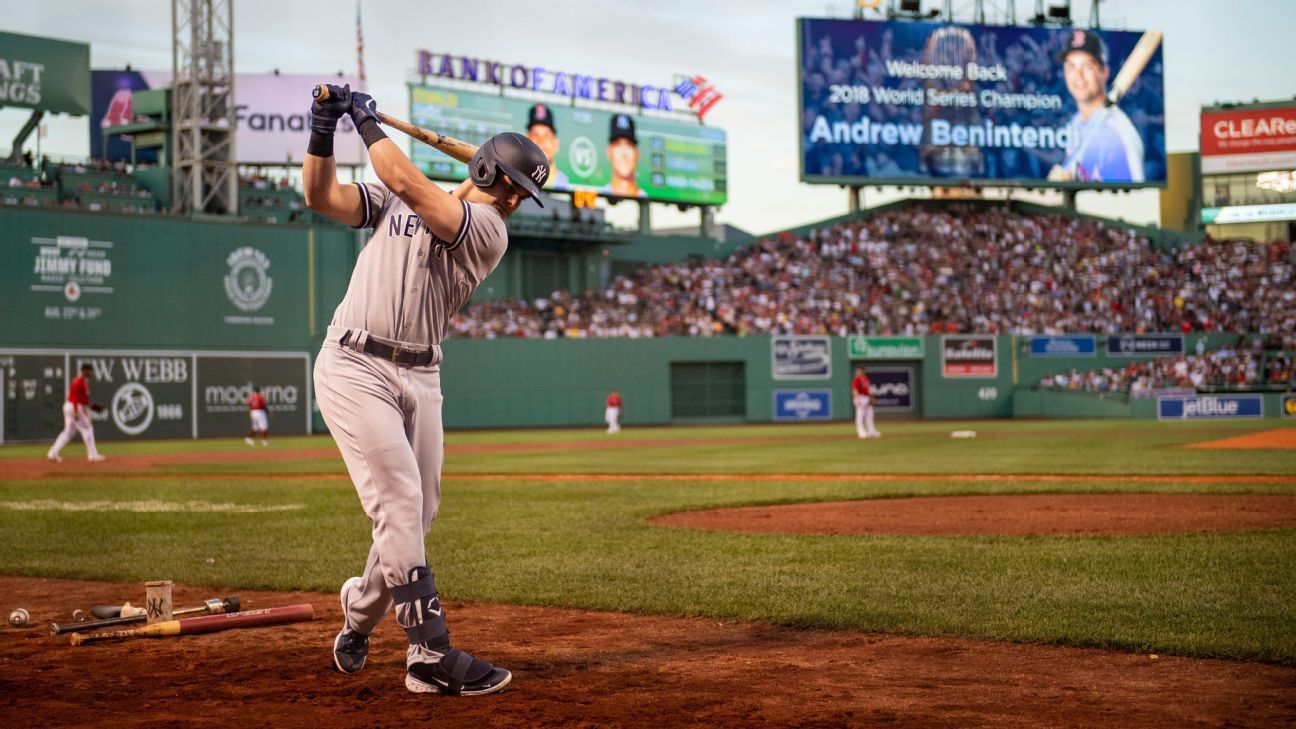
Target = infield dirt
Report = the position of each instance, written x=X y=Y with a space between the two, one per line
x=581 y=668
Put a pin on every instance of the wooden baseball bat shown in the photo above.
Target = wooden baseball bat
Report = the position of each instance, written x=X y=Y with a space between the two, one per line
x=206 y=624
x=1134 y=64
x=456 y=148
x=209 y=607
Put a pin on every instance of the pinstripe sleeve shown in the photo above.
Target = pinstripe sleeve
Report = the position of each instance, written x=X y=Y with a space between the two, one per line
x=372 y=200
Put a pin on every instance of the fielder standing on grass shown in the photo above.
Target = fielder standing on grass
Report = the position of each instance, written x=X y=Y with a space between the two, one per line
x=378 y=376
x=76 y=418
x=862 y=394
x=612 y=413
x=257 y=413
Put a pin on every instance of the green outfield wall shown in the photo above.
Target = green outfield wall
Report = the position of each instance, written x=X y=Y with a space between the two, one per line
x=181 y=317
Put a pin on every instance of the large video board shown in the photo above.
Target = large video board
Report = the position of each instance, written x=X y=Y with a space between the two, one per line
x=617 y=155
x=907 y=102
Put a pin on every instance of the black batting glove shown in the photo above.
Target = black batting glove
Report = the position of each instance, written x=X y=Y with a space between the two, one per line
x=325 y=114
x=363 y=108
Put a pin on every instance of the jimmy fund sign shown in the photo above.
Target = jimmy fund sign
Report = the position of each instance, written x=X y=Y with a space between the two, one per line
x=802 y=358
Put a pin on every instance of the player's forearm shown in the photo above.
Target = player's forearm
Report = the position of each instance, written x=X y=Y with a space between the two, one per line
x=319 y=176
x=395 y=170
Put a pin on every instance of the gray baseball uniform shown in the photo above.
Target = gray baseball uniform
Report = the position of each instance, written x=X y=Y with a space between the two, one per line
x=385 y=417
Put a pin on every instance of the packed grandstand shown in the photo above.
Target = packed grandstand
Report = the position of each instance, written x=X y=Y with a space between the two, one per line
x=928 y=269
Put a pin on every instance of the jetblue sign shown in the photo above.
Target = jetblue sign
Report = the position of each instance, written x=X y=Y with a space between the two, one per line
x=802 y=404
x=1210 y=407
x=1077 y=346
x=1135 y=345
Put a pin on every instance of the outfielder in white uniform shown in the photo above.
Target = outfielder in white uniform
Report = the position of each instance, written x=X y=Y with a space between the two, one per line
x=76 y=418
x=378 y=377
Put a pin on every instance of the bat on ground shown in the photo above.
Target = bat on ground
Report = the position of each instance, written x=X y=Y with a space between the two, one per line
x=1129 y=72
x=209 y=607
x=456 y=148
x=206 y=624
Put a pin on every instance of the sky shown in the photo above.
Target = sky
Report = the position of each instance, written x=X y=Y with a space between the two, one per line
x=1214 y=51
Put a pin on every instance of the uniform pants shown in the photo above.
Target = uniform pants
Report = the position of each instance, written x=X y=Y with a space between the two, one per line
x=260 y=422
x=863 y=416
x=75 y=420
x=387 y=423
x=613 y=419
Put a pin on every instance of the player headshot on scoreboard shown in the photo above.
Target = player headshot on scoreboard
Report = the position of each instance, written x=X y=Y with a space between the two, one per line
x=623 y=153
x=541 y=130
x=1103 y=144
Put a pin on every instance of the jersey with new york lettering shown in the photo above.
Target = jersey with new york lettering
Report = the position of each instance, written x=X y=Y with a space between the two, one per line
x=407 y=282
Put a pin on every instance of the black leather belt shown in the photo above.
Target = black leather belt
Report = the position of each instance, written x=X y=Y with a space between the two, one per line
x=395 y=355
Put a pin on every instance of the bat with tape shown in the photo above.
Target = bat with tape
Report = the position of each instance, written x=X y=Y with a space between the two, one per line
x=205 y=624
x=456 y=148
x=1135 y=62
x=209 y=607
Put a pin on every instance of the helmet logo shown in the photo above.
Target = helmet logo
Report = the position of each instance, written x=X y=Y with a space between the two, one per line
x=539 y=173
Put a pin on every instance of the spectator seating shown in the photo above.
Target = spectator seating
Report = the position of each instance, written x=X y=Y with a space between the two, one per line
x=929 y=269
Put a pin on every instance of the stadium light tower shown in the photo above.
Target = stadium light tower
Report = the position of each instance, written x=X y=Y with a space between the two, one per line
x=204 y=176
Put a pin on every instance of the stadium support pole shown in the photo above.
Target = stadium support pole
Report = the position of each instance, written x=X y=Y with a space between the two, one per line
x=1069 y=200
x=645 y=220
x=853 y=199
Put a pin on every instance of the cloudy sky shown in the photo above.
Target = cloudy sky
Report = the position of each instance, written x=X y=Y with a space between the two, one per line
x=1214 y=51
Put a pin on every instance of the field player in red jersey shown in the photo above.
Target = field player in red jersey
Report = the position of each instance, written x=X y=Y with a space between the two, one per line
x=260 y=423
x=76 y=418
x=863 y=397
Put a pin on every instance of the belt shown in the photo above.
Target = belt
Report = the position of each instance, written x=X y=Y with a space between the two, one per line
x=395 y=355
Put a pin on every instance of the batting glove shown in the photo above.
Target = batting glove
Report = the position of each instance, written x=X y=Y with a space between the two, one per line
x=363 y=108
x=325 y=114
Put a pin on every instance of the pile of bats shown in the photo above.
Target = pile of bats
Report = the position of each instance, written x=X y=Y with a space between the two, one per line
x=212 y=616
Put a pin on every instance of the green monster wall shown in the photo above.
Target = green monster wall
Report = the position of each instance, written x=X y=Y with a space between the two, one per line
x=114 y=287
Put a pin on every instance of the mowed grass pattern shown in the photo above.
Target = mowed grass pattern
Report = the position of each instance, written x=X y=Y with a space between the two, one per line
x=585 y=542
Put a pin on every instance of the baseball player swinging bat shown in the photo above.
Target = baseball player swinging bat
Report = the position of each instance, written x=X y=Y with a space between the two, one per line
x=206 y=624
x=209 y=607
x=456 y=148
x=1137 y=60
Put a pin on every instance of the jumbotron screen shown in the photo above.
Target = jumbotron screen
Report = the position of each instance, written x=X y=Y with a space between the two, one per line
x=907 y=102
x=614 y=154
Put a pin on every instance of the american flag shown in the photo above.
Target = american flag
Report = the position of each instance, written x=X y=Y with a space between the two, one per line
x=359 y=46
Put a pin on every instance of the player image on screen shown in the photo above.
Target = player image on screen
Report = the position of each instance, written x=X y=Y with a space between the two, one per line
x=623 y=153
x=541 y=130
x=1104 y=145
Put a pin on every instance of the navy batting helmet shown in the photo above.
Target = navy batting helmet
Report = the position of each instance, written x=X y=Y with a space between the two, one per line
x=517 y=156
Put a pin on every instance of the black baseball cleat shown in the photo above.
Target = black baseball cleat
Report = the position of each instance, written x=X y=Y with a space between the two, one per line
x=349 y=651
x=457 y=673
x=350 y=647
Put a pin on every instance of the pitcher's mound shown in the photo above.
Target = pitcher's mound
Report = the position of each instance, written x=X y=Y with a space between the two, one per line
x=1042 y=514
x=1276 y=438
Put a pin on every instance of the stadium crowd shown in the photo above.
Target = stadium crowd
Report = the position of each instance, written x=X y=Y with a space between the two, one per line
x=928 y=270
x=1223 y=368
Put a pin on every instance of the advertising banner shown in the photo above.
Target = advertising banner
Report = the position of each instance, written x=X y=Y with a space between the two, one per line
x=1064 y=346
x=85 y=278
x=1249 y=140
x=154 y=394
x=1289 y=405
x=1142 y=345
x=892 y=388
x=1248 y=213
x=802 y=404
x=44 y=73
x=145 y=395
x=885 y=347
x=272 y=113
x=969 y=356
x=905 y=102
x=801 y=358
x=614 y=154
x=1210 y=407
x=226 y=382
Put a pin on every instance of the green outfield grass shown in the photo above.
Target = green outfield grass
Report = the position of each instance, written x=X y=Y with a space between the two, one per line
x=584 y=542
